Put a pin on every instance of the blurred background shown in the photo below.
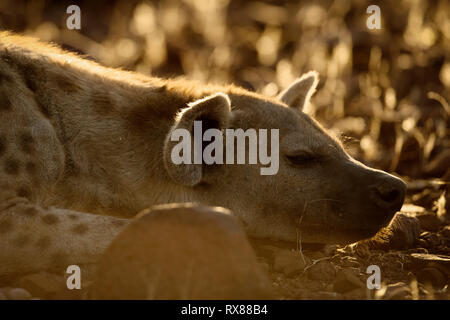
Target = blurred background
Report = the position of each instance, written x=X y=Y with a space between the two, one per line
x=385 y=92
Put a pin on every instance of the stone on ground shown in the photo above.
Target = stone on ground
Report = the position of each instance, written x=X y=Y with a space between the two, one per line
x=181 y=252
x=289 y=262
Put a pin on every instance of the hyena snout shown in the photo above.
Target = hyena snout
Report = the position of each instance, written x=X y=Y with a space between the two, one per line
x=388 y=192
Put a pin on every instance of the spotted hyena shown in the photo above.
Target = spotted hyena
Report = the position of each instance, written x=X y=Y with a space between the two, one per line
x=83 y=148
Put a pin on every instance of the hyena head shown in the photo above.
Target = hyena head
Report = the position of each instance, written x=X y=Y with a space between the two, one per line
x=317 y=190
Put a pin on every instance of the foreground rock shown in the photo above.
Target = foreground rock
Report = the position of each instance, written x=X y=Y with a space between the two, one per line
x=423 y=259
x=322 y=270
x=432 y=268
x=428 y=220
x=181 y=253
x=446 y=232
x=396 y=291
x=14 y=294
x=289 y=262
x=347 y=280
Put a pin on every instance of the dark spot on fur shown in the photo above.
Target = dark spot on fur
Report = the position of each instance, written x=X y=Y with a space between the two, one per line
x=2 y=146
x=59 y=259
x=5 y=226
x=102 y=103
x=12 y=166
x=21 y=241
x=29 y=75
x=31 y=168
x=44 y=109
x=26 y=142
x=71 y=169
x=4 y=77
x=42 y=104
x=31 y=84
x=73 y=216
x=65 y=84
x=44 y=242
x=33 y=76
x=138 y=116
x=30 y=212
x=81 y=228
x=50 y=219
x=24 y=192
x=5 y=103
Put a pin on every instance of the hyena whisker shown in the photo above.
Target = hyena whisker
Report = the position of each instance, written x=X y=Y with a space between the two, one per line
x=300 y=219
x=299 y=235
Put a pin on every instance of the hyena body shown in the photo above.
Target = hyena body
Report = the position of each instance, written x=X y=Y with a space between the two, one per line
x=84 y=147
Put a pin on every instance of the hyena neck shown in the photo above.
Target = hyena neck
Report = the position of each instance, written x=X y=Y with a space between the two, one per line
x=117 y=142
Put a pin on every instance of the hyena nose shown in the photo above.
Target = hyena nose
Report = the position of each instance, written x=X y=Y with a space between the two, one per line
x=388 y=192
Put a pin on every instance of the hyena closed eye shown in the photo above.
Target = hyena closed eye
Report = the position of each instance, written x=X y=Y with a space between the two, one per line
x=84 y=147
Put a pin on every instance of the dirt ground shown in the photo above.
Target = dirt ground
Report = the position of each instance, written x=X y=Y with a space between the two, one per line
x=385 y=93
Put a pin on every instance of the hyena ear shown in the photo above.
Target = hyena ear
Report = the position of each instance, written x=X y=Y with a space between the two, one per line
x=213 y=112
x=297 y=95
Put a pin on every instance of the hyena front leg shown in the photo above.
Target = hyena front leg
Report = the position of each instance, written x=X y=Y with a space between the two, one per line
x=34 y=238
